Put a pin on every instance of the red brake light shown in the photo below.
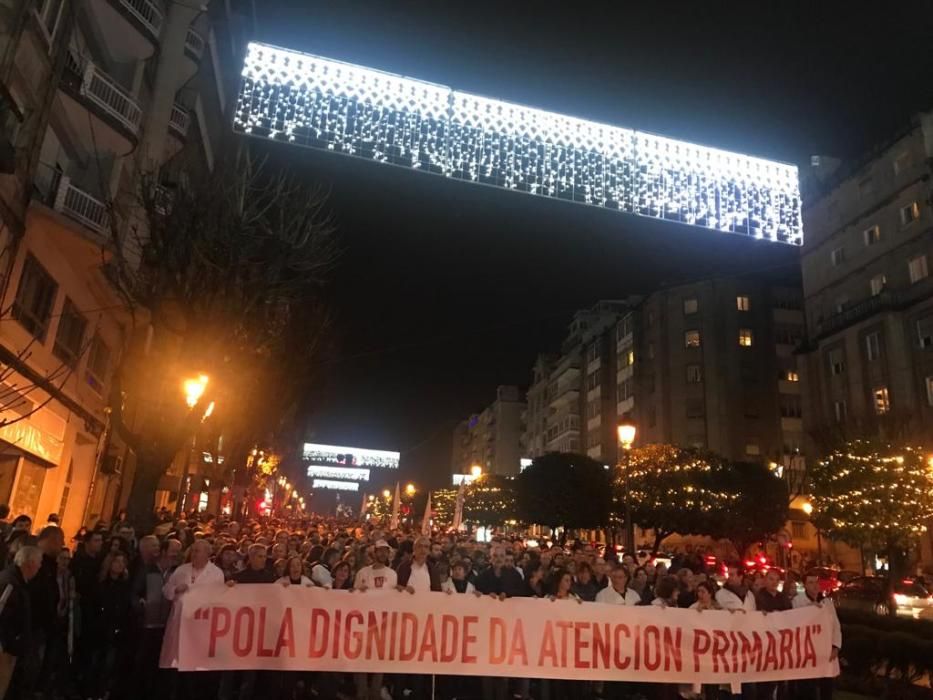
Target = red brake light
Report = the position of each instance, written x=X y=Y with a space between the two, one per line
x=907 y=581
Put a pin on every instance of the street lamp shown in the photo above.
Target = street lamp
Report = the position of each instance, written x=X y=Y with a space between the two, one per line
x=386 y=494
x=410 y=489
x=476 y=471
x=193 y=389
x=807 y=508
x=626 y=431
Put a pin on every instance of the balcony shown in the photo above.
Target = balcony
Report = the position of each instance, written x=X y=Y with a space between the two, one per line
x=98 y=92
x=77 y=204
x=179 y=121
x=565 y=394
x=194 y=45
x=887 y=300
x=132 y=27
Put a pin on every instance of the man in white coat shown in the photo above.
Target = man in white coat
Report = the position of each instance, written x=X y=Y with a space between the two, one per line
x=197 y=572
x=734 y=595
x=618 y=592
x=817 y=688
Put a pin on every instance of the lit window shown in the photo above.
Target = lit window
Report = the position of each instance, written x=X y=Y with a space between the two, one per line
x=872 y=235
x=630 y=357
x=742 y=303
x=839 y=409
x=929 y=381
x=745 y=337
x=692 y=339
x=873 y=346
x=694 y=374
x=910 y=213
x=877 y=284
x=792 y=376
x=917 y=268
x=837 y=363
x=752 y=449
x=691 y=306
x=838 y=256
x=882 y=400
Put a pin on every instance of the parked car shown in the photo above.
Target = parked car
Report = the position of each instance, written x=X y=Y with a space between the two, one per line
x=829 y=579
x=904 y=598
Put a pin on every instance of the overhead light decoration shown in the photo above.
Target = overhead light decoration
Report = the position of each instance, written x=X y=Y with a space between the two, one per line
x=320 y=103
x=335 y=485
x=338 y=473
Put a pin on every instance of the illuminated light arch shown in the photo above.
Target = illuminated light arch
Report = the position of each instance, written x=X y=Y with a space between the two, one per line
x=325 y=104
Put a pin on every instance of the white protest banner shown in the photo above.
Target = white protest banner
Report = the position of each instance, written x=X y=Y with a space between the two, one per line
x=272 y=627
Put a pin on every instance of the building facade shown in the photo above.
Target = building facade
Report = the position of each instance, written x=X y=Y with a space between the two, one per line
x=95 y=95
x=868 y=290
x=491 y=439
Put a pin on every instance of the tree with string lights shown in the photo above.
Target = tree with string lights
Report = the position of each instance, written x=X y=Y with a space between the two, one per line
x=489 y=500
x=874 y=494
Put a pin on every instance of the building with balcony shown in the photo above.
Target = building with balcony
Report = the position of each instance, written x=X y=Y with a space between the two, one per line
x=94 y=96
x=868 y=290
x=491 y=439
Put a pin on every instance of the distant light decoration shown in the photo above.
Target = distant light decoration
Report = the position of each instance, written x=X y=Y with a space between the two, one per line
x=458 y=479
x=330 y=105
x=350 y=473
x=335 y=485
x=523 y=464
x=334 y=455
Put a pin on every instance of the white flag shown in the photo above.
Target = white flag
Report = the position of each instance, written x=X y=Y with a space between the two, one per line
x=363 y=507
x=458 y=509
x=393 y=523
x=426 y=523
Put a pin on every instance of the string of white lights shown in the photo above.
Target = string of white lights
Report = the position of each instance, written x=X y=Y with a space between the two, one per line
x=321 y=103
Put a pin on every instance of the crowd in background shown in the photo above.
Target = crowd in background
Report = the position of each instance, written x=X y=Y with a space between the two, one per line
x=87 y=617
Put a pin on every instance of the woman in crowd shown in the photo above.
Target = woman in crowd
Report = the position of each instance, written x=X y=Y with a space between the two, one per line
x=294 y=574
x=706 y=597
x=109 y=629
x=640 y=585
x=343 y=576
x=665 y=593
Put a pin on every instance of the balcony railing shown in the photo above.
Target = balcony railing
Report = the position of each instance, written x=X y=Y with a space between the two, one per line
x=194 y=43
x=179 y=119
x=99 y=88
x=149 y=15
x=80 y=206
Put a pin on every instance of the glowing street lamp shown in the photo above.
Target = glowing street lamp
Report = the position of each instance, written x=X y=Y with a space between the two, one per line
x=476 y=471
x=194 y=389
x=410 y=490
x=387 y=494
x=626 y=431
x=807 y=508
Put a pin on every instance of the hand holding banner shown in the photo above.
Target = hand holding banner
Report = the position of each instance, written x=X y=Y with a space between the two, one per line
x=267 y=627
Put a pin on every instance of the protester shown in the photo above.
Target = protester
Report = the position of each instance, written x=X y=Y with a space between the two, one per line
x=734 y=595
x=294 y=574
x=817 y=688
x=706 y=597
x=16 y=628
x=618 y=591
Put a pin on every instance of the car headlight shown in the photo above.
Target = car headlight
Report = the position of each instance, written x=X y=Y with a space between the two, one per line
x=901 y=599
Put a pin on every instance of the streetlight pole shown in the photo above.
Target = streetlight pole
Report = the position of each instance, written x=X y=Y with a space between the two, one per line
x=626 y=432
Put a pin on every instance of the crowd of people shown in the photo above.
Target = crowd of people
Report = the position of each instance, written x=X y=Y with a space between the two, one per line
x=89 y=620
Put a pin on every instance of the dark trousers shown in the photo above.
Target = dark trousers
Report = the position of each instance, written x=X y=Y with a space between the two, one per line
x=150 y=681
x=812 y=689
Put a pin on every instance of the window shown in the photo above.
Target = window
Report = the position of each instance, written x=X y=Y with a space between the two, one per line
x=882 y=400
x=745 y=337
x=592 y=352
x=901 y=163
x=625 y=390
x=34 y=298
x=788 y=335
x=691 y=306
x=752 y=449
x=925 y=331
x=649 y=318
x=694 y=374
x=910 y=214
x=837 y=363
x=840 y=411
x=696 y=408
x=865 y=187
x=838 y=256
x=877 y=284
x=929 y=381
x=627 y=358
x=841 y=304
x=624 y=328
x=791 y=376
x=98 y=363
x=692 y=339
x=917 y=268
x=790 y=406
x=49 y=16
x=70 y=335
x=798 y=530
x=872 y=235
x=742 y=303
x=592 y=380
x=872 y=346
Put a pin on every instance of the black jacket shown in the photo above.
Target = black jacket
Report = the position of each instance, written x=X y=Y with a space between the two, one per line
x=44 y=595
x=113 y=607
x=16 y=611
x=509 y=581
x=250 y=575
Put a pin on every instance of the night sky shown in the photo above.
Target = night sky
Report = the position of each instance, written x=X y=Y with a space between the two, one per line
x=445 y=289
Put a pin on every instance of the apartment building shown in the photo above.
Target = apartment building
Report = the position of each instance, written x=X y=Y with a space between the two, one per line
x=94 y=95
x=711 y=365
x=868 y=290
x=491 y=439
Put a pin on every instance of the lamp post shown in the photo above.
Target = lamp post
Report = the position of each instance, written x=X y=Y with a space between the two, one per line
x=410 y=490
x=626 y=432
x=193 y=389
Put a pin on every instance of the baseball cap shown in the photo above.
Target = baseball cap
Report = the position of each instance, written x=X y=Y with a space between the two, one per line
x=381 y=543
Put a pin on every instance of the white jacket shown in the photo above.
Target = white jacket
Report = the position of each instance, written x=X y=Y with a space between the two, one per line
x=802 y=600
x=613 y=597
x=730 y=601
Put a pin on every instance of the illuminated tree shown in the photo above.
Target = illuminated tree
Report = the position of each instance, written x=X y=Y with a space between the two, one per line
x=566 y=489
x=443 y=504
x=874 y=494
x=490 y=500
x=675 y=490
